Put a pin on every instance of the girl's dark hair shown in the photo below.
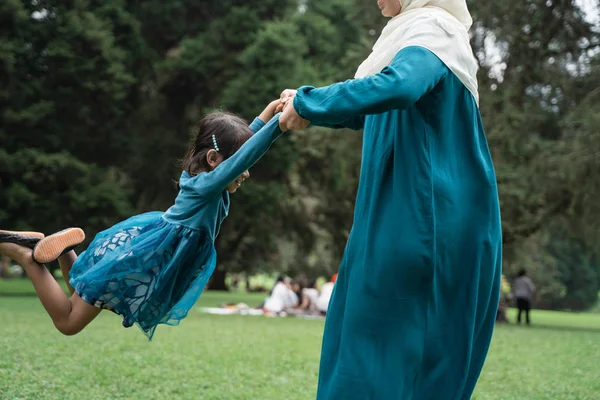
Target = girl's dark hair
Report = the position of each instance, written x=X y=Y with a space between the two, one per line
x=230 y=132
x=522 y=272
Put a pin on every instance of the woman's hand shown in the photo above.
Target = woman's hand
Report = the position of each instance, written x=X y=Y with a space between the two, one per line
x=286 y=95
x=290 y=118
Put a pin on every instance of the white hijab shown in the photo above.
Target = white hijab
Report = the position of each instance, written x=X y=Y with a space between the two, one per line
x=441 y=26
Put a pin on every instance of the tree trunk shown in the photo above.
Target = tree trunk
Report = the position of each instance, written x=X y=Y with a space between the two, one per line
x=217 y=282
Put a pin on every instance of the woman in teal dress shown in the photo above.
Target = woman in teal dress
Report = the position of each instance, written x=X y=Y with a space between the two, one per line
x=413 y=310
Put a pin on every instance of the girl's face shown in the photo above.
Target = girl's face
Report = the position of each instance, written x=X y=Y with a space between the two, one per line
x=389 y=8
x=234 y=186
x=214 y=159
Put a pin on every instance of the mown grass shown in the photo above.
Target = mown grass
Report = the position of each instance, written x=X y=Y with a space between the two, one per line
x=242 y=357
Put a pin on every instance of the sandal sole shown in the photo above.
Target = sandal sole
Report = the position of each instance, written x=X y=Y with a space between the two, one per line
x=55 y=245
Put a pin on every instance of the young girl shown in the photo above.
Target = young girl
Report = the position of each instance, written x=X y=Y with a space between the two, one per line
x=151 y=268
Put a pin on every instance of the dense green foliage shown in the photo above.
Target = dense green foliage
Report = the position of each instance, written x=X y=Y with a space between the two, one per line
x=98 y=100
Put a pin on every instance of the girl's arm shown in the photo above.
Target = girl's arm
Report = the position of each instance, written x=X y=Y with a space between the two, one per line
x=269 y=111
x=214 y=182
x=414 y=72
x=265 y=116
x=256 y=125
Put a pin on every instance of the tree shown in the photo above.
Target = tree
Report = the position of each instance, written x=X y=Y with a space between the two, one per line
x=68 y=84
x=265 y=211
x=580 y=271
x=48 y=192
x=101 y=97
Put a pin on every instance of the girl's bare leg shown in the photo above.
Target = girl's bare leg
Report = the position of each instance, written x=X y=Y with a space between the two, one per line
x=66 y=262
x=69 y=314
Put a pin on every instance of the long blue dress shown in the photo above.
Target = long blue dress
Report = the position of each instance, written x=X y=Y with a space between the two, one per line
x=413 y=310
x=151 y=268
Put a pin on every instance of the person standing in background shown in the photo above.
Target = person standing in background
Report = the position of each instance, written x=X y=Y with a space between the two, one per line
x=524 y=292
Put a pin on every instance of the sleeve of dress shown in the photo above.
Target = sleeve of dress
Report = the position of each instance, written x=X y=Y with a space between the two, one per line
x=356 y=123
x=215 y=181
x=413 y=72
x=256 y=125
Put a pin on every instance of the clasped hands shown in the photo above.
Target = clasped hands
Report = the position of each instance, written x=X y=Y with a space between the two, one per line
x=289 y=118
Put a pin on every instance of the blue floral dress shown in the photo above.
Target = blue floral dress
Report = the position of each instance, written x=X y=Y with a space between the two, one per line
x=152 y=267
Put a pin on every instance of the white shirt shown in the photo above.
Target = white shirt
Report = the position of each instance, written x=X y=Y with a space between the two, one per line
x=281 y=298
x=313 y=296
x=323 y=300
x=524 y=288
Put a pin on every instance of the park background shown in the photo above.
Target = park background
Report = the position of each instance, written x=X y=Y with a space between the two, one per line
x=98 y=101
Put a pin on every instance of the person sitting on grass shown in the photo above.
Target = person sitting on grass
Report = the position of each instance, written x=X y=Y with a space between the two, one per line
x=282 y=297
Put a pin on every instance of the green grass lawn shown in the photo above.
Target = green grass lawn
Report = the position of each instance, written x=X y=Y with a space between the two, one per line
x=235 y=357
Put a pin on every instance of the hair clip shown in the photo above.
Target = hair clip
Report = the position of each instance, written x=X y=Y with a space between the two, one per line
x=215 y=143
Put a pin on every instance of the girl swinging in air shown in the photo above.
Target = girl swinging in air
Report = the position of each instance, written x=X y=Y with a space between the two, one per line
x=150 y=268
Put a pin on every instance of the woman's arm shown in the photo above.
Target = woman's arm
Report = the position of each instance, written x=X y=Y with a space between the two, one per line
x=414 y=72
x=355 y=123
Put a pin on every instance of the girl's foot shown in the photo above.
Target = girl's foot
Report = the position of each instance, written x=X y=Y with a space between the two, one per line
x=23 y=238
x=38 y=235
x=53 y=246
x=19 y=254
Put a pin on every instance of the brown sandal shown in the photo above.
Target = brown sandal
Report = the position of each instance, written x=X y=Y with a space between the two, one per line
x=57 y=244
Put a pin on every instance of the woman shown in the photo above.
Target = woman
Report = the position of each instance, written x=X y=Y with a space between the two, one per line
x=282 y=296
x=310 y=296
x=325 y=295
x=413 y=310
